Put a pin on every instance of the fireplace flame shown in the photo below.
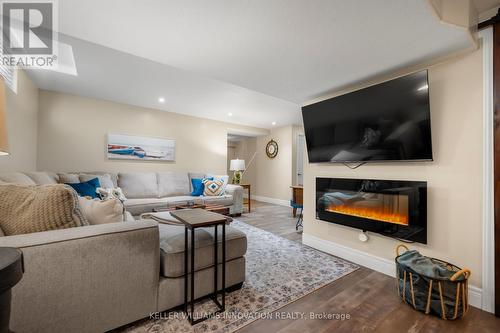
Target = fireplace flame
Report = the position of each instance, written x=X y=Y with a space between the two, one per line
x=370 y=213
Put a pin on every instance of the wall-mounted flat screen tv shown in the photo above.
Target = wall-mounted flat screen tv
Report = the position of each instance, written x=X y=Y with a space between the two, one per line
x=385 y=122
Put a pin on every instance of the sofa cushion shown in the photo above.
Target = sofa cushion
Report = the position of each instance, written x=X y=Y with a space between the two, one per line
x=16 y=178
x=173 y=184
x=225 y=200
x=66 y=178
x=182 y=200
x=28 y=209
x=139 y=184
x=114 y=176
x=172 y=248
x=105 y=179
x=43 y=178
x=102 y=212
x=212 y=187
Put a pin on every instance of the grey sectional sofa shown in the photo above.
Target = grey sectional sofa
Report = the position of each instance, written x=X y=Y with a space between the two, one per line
x=146 y=191
x=99 y=277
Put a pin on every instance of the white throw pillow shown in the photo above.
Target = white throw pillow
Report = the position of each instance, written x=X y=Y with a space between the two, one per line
x=102 y=212
x=105 y=180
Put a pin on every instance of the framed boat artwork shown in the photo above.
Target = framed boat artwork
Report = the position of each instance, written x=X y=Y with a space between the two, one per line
x=130 y=147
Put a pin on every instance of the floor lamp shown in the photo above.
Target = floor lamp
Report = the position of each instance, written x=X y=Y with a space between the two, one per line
x=249 y=164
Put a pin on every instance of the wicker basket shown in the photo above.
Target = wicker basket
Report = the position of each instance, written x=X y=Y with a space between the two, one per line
x=445 y=298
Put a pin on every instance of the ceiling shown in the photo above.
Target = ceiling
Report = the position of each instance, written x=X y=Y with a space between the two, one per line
x=258 y=60
x=484 y=5
x=112 y=75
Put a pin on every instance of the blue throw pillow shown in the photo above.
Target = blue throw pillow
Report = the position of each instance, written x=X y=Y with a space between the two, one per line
x=198 y=186
x=87 y=189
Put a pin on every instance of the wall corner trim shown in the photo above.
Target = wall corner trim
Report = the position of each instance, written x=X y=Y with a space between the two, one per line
x=371 y=261
x=488 y=261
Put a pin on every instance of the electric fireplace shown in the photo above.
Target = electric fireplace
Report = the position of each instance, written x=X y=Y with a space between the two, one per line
x=393 y=208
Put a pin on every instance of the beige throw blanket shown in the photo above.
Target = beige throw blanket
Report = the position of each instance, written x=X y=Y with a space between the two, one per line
x=28 y=209
x=161 y=217
x=167 y=218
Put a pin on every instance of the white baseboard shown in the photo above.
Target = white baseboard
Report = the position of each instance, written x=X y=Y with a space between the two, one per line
x=371 y=261
x=272 y=200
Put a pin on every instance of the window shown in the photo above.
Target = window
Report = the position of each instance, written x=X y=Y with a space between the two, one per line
x=10 y=76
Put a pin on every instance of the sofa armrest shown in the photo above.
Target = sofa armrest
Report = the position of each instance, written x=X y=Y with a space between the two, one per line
x=86 y=279
x=237 y=192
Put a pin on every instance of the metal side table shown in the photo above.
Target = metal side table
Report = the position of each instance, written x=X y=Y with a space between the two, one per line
x=200 y=218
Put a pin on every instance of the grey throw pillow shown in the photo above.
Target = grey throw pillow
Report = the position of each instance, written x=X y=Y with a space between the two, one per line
x=105 y=180
x=68 y=178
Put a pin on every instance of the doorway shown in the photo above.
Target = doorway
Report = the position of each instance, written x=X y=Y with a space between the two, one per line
x=300 y=146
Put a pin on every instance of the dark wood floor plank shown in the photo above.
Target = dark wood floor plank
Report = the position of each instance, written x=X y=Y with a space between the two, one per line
x=368 y=296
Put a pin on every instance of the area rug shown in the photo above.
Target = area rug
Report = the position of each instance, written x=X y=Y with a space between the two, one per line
x=278 y=272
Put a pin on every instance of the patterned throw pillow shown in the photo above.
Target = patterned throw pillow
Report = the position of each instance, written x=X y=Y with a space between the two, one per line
x=213 y=187
x=111 y=193
x=224 y=179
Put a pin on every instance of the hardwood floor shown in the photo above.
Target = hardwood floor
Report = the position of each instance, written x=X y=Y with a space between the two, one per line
x=369 y=297
x=273 y=218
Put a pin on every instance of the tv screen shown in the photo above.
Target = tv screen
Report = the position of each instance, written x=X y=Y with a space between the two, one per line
x=385 y=122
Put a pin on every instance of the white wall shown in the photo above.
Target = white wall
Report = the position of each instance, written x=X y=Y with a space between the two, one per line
x=22 y=114
x=270 y=178
x=274 y=175
x=454 y=177
x=73 y=130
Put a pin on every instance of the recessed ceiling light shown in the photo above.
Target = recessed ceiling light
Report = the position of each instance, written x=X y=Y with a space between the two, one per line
x=161 y=100
x=229 y=114
x=273 y=123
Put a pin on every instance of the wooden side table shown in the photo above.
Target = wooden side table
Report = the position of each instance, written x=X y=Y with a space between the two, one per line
x=248 y=187
x=219 y=209
x=297 y=198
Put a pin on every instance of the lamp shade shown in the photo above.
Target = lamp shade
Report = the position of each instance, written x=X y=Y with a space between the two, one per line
x=4 y=147
x=237 y=165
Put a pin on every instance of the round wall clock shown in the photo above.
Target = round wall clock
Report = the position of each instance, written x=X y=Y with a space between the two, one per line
x=272 y=149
